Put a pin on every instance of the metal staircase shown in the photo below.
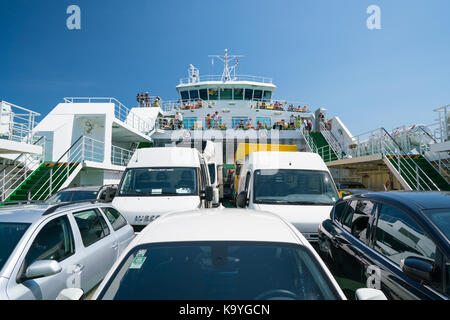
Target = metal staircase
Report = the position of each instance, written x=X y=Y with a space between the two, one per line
x=318 y=144
x=413 y=171
x=331 y=141
x=17 y=171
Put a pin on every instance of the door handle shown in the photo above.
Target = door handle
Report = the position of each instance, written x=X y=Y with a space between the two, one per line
x=78 y=268
x=115 y=245
x=338 y=240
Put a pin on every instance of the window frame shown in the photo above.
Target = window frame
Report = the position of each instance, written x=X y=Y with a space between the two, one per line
x=375 y=224
x=23 y=266
x=105 y=223
x=111 y=223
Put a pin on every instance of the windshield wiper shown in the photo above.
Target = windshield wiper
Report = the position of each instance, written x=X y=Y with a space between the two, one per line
x=137 y=193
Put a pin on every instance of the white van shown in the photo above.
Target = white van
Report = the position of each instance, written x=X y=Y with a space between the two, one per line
x=162 y=180
x=295 y=185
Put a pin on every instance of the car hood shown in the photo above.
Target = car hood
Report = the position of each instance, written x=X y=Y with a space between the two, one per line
x=305 y=218
x=133 y=208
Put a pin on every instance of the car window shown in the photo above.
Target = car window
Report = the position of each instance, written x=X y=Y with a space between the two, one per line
x=92 y=226
x=84 y=195
x=339 y=209
x=53 y=242
x=10 y=235
x=115 y=218
x=62 y=196
x=397 y=236
x=361 y=219
x=218 y=271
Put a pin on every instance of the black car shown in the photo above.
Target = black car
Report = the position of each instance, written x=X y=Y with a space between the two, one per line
x=394 y=241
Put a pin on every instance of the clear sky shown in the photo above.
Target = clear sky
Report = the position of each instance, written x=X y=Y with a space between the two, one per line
x=317 y=51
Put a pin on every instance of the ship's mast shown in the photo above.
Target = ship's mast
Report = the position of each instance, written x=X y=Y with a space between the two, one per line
x=227 y=71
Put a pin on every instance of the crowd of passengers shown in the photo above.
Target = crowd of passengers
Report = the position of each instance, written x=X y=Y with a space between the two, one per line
x=215 y=122
x=143 y=100
x=199 y=104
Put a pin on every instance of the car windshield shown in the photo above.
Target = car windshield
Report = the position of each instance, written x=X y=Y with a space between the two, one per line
x=74 y=195
x=10 y=234
x=441 y=218
x=159 y=182
x=219 y=271
x=294 y=187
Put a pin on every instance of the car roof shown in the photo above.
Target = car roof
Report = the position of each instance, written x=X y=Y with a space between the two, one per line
x=30 y=213
x=165 y=157
x=286 y=160
x=414 y=199
x=219 y=225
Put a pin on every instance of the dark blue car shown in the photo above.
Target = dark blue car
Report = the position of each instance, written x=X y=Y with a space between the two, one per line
x=394 y=241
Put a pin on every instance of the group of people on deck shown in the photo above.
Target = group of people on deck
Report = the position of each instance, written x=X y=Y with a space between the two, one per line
x=143 y=100
x=213 y=121
x=279 y=106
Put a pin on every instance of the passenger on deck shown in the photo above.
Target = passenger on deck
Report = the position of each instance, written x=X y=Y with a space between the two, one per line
x=208 y=121
x=147 y=100
x=249 y=124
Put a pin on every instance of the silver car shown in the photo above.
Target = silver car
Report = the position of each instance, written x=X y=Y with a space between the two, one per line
x=45 y=248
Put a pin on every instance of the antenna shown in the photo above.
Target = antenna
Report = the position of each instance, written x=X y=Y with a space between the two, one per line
x=227 y=71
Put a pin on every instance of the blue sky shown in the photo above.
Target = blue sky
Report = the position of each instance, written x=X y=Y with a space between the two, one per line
x=318 y=51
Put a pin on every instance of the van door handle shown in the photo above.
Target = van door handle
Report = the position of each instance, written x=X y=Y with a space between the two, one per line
x=115 y=245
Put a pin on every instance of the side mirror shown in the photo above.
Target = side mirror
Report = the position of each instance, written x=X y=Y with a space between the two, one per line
x=209 y=193
x=420 y=270
x=241 y=200
x=370 y=294
x=42 y=268
x=70 y=294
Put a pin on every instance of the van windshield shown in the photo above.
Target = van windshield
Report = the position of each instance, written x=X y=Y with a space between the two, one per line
x=282 y=186
x=159 y=182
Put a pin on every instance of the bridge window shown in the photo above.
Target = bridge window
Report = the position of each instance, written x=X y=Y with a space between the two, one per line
x=257 y=95
x=248 y=94
x=203 y=94
x=193 y=94
x=238 y=94
x=226 y=94
x=267 y=95
x=184 y=95
x=213 y=94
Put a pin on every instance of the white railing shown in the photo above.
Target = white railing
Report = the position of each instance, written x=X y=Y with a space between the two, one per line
x=217 y=78
x=83 y=149
x=16 y=123
x=120 y=156
x=121 y=112
x=269 y=104
x=12 y=177
x=444 y=122
x=380 y=142
x=331 y=140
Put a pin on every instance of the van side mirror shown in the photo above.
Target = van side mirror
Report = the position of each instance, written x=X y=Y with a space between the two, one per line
x=418 y=269
x=241 y=200
x=208 y=193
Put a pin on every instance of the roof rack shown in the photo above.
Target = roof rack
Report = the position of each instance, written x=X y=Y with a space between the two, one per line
x=63 y=204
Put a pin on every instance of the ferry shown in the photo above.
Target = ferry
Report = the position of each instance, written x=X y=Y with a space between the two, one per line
x=90 y=140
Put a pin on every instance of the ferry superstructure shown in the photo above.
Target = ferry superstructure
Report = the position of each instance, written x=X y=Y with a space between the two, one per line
x=89 y=141
x=229 y=109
